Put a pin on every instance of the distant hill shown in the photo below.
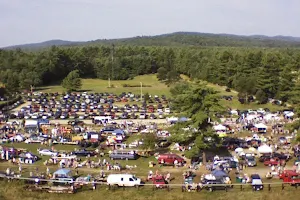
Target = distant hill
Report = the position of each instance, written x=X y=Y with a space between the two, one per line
x=45 y=44
x=181 y=39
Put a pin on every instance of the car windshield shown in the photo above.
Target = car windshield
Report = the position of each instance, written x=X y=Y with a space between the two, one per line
x=250 y=159
x=134 y=178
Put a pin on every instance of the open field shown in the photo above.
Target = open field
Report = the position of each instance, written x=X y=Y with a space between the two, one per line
x=98 y=85
x=235 y=104
x=14 y=191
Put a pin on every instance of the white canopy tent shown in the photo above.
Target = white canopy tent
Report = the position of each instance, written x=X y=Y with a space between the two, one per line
x=219 y=127
x=271 y=116
x=260 y=126
x=264 y=149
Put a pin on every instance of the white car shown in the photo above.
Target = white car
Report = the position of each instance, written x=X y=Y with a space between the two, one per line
x=47 y=152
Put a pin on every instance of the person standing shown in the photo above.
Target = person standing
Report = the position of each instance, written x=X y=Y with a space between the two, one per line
x=20 y=168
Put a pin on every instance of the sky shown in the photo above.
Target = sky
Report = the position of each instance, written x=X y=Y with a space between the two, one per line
x=31 y=21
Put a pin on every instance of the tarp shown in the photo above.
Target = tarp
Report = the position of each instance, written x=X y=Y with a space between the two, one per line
x=219 y=173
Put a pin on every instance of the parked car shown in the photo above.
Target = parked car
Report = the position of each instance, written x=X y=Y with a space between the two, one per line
x=272 y=162
x=160 y=182
x=256 y=182
x=212 y=185
x=250 y=160
x=83 y=152
x=168 y=159
x=47 y=152
x=123 y=155
x=126 y=180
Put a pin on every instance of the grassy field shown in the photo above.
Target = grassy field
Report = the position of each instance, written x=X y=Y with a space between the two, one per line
x=98 y=85
x=235 y=104
x=15 y=191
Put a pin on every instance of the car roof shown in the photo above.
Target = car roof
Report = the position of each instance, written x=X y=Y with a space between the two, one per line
x=255 y=176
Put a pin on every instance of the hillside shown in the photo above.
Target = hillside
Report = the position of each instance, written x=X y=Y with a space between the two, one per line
x=181 y=39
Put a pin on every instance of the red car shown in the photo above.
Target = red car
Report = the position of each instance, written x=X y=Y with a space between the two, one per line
x=168 y=159
x=160 y=182
x=273 y=162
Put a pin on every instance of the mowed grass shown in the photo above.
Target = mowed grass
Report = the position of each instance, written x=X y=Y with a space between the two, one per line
x=15 y=191
x=98 y=85
x=235 y=104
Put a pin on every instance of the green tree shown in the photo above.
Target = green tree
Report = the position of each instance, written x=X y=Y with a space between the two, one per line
x=72 y=82
x=146 y=97
x=200 y=104
x=29 y=79
x=196 y=101
x=149 y=141
x=162 y=74
x=261 y=97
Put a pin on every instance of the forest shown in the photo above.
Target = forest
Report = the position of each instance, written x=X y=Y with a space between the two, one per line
x=263 y=72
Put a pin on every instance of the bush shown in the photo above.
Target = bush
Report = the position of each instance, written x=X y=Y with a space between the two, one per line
x=228 y=90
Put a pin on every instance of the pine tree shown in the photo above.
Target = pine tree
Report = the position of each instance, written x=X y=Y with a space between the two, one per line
x=72 y=82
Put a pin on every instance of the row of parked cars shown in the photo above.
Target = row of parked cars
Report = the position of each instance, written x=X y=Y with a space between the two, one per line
x=74 y=106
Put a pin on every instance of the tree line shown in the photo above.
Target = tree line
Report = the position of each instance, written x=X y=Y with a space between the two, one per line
x=265 y=73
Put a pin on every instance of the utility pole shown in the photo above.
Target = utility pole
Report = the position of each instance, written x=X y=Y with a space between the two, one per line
x=112 y=61
x=141 y=91
x=111 y=76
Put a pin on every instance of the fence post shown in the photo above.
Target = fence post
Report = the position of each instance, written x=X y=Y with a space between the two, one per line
x=123 y=187
x=282 y=186
x=269 y=187
x=241 y=186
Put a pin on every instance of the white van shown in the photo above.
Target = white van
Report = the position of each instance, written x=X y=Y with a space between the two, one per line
x=127 y=180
